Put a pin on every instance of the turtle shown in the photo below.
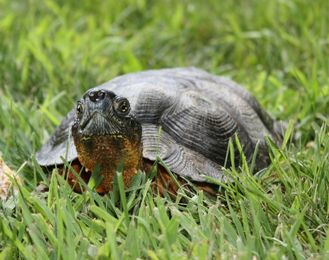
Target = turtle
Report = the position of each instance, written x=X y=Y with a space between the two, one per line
x=183 y=117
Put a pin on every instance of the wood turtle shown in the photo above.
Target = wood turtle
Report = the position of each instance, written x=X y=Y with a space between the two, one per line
x=184 y=116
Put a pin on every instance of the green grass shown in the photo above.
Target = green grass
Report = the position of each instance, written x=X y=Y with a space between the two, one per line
x=52 y=51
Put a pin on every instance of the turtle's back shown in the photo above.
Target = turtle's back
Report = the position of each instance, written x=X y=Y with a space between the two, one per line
x=187 y=117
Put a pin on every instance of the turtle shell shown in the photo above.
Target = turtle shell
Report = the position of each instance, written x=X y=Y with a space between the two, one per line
x=188 y=117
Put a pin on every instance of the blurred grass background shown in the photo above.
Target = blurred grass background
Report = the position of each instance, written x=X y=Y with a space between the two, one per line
x=52 y=51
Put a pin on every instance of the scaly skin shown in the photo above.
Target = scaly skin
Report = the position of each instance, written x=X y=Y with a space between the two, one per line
x=106 y=136
x=107 y=153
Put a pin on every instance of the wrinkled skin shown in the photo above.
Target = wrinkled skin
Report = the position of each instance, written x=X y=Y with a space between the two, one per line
x=106 y=135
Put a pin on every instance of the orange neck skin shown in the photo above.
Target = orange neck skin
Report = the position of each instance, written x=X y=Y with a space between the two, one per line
x=107 y=153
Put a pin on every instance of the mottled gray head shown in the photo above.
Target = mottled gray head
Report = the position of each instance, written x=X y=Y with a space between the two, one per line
x=101 y=112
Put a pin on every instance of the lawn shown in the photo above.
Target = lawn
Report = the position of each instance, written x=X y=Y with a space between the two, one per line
x=52 y=51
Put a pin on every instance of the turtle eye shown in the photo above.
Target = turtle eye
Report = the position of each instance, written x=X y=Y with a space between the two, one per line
x=122 y=106
x=79 y=108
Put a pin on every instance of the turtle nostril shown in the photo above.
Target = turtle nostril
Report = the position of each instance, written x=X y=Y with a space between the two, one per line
x=96 y=96
x=101 y=94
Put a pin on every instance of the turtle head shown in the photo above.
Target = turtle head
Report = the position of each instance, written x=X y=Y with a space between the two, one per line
x=101 y=112
x=106 y=134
